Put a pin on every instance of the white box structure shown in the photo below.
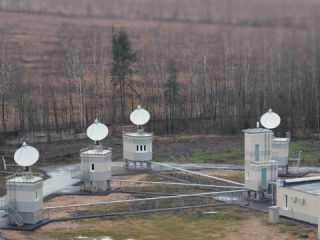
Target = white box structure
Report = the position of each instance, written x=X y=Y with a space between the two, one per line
x=95 y=168
x=280 y=152
x=25 y=195
x=260 y=168
x=137 y=148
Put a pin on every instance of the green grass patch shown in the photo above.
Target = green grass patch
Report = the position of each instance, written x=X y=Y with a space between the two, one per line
x=201 y=156
x=310 y=151
x=300 y=145
x=162 y=158
x=306 y=155
x=181 y=159
x=235 y=156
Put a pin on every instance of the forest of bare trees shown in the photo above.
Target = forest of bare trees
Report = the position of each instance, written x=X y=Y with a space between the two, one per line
x=229 y=76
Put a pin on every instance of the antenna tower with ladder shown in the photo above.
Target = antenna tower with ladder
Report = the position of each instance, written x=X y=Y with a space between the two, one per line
x=25 y=190
x=95 y=170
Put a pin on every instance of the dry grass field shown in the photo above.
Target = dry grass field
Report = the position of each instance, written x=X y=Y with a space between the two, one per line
x=222 y=49
x=38 y=35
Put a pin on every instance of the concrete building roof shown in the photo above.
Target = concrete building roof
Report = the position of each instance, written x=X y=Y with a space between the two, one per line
x=24 y=179
x=256 y=130
x=139 y=134
x=309 y=185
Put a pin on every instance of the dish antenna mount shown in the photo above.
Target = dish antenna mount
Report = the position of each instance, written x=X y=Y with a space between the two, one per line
x=97 y=131
x=139 y=117
x=270 y=120
x=26 y=156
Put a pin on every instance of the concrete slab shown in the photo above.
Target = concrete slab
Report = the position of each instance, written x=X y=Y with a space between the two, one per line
x=59 y=180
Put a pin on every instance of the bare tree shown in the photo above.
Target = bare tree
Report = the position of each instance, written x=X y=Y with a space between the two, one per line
x=95 y=71
x=3 y=84
x=105 y=73
x=66 y=61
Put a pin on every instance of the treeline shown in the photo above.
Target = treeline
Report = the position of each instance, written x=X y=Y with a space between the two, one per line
x=228 y=76
x=243 y=12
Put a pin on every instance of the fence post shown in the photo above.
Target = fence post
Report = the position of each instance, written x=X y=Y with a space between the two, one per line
x=139 y=187
x=76 y=211
x=156 y=204
x=130 y=207
x=182 y=202
x=48 y=213
x=104 y=209
x=164 y=188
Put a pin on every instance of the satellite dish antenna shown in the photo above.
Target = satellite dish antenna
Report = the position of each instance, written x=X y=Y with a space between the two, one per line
x=97 y=131
x=139 y=116
x=26 y=156
x=270 y=120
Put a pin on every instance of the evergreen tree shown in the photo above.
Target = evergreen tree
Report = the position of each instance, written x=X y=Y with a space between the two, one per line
x=121 y=72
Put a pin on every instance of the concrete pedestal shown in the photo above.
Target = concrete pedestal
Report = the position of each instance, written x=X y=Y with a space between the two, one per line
x=273 y=214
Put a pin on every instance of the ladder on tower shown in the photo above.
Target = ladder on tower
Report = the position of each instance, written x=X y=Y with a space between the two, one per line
x=14 y=215
x=6 y=205
x=86 y=182
x=295 y=160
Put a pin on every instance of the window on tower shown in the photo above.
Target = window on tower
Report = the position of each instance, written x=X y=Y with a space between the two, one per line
x=141 y=148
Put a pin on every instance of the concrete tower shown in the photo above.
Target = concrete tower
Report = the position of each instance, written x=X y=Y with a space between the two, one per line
x=261 y=170
x=25 y=195
x=137 y=146
x=95 y=168
x=24 y=202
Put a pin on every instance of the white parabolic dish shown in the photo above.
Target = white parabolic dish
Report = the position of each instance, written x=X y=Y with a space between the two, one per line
x=139 y=116
x=270 y=120
x=97 y=131
x=26 y=155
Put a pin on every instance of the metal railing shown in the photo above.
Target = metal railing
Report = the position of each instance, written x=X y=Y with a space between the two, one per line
x=295 y=158
x=24 y=178
x=14 y=214
x=99 y=148
x=164 y=167
x=166 y=187
x=3 y=203
x=76 y=173
x=138 y=137
x=137 y=205
x=264 y=163
x=6 y=205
